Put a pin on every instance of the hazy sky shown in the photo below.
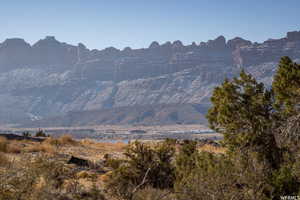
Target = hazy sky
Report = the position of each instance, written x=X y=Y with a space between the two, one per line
x=136 y=23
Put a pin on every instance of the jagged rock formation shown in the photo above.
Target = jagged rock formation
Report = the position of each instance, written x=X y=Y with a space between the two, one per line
x=51 y=78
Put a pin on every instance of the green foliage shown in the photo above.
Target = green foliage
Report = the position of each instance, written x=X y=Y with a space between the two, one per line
x=26 y=134
x=113 y=163
x=240 y=107
x=253 y=121
x=185 y=160
x=40 y=133
x=242 y=110
x=286 y=86
x=146 y=165
x=212 y=177
x=93 y=194
x=149 y=193
x=231 y=176
x=285 y=182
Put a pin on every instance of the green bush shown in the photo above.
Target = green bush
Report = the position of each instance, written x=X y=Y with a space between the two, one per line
x=26 y=134
x=146 y=165
x=41 y=133
x=149 y=193
x=261 y=127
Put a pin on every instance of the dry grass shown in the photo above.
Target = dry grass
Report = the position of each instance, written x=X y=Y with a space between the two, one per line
x=87 y=141
x=41 y=147
x=50 y=145
x=52 y=141
x=61 y=141
x=41 y=183
x=12 y=148
x=21 y=152
x=43 y=177
x=105 y=146
x=7 y=146
x=212 y=149
x=67 y=140
x=86 y=175
x=92 y=150
x=3 y=144
x=3 y=159
x=105 y=177
x=98 y=149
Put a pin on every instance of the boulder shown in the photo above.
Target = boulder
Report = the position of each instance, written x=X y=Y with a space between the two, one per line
x=78 y=161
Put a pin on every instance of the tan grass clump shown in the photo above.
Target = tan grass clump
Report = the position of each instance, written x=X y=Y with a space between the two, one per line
x=110 y=147
x=86 y=175
x=67 y=139
x=212 y=149
x=52 y=141
x=3 y=144
x=41 y=147
x=87 y=141
x=61 y=141
x=105 y=177
x=13 y=148
x=3 y=159
x=7 y=146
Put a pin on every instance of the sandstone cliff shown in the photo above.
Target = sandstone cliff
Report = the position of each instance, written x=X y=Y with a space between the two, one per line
x=51 y=78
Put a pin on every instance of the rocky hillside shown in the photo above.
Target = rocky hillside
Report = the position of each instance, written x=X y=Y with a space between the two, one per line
x=51 y=78
x=158 y=114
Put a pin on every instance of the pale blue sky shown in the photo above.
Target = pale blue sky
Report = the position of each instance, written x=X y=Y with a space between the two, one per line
x=136 y=23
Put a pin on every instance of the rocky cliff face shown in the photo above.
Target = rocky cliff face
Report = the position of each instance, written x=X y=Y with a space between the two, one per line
x=51 y=78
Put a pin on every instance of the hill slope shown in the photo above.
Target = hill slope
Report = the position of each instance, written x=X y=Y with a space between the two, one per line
x=147 y=115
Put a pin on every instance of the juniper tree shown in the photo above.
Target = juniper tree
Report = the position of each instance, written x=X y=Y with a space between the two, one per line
x=256 y=123
x=242 y=110
x=286 y=86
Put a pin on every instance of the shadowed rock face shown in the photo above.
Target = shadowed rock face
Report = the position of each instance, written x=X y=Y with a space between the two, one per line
x=293 y=36
x=52 y=78
x=49 y=51
x=14 y=53
x=237 y=42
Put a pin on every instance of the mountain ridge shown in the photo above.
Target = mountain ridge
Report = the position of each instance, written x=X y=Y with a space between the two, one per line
x=52 y=78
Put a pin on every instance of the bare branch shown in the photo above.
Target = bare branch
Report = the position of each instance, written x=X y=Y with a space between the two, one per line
x=143 y=181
